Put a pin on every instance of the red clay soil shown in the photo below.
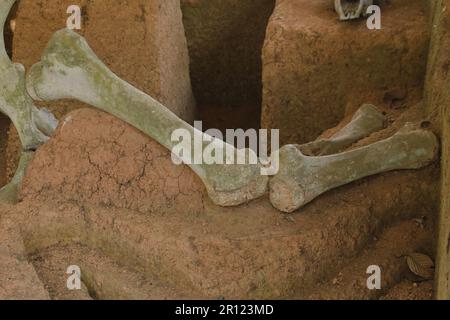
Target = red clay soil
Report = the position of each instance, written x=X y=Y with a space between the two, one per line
x=410 y=290
x=103 y=196
x=109 y=188
x=317 y=69
x=95 y=158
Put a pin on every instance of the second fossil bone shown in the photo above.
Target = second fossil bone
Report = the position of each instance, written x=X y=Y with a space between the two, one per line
x=366 y=120
x=302 y=178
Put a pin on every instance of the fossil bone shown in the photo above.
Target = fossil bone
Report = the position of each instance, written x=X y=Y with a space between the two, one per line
x=33 y=125
x=364 y=122
x=352 y=9
x=9 y=193
x=70 y=69
x=302 y=178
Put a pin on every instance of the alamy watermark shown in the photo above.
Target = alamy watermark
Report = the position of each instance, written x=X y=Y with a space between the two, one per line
x=236 y=147
x=73 y=22
x=74 y=279
x=374 y=19
x=374 y=279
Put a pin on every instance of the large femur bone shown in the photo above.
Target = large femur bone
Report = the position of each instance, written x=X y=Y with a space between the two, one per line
x=33 y=125
x=70 y=69
x=302 y=178
x=351 y=9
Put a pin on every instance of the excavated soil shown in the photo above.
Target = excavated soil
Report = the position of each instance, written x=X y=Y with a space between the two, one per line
x=410 y=290
x=103 y=196
x=109 y=188
x=317 y=70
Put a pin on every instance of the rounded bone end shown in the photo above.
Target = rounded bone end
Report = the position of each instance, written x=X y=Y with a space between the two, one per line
x=423 y=142
x=255 y=189
x=285 y=197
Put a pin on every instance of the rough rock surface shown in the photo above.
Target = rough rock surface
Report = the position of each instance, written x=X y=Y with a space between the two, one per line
x=142 y=41
x=317 y=69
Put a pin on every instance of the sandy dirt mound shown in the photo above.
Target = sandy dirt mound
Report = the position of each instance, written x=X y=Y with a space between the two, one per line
x=102 y=277
x=317 y=69
x=96 y=158
x=95 y=168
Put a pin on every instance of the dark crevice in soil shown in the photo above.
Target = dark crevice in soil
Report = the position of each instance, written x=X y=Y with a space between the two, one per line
x=225 y=40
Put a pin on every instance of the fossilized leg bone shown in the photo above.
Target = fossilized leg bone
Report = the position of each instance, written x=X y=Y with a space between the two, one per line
x=33 y=125
x=9 y=193
x=364 y=122
x=70 y=69
x=351 y=9
x=302 y=178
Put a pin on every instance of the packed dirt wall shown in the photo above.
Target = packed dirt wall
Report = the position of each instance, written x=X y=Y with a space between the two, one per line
x=225 y=40
x=108 y=197
x=318 y=70
x=437 y=95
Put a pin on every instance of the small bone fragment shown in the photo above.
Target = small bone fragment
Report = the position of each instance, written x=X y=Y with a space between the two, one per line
x=301 y=178
x=365 y=121
x=9 y=193
x=70 y=69
x=351 y=9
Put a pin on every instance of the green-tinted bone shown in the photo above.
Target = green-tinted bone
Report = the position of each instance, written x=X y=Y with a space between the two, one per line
x=14 y=101
x=70 y=69
x=302 y=178
x=9 y=193
x=365 y=121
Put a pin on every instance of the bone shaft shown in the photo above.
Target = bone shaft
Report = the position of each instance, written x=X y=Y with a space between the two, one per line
x=10 y=192
x=70 y=69
x=398 y=152
x=142 y=111
x=119 y=98
x=365 y=121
